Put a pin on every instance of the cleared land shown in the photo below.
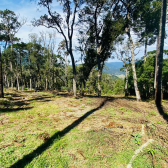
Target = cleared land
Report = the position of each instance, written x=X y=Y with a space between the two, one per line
x=50 y=129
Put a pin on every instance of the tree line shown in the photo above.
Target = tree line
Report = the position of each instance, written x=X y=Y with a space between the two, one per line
x=101 y=25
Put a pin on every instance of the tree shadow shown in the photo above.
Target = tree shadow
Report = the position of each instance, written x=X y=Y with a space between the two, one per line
x=162 y=112
x=41 y=99
x=17 y=102
x=57 y=136
x=10 y=110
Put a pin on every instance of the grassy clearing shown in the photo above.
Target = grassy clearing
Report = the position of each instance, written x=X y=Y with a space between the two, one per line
x=45 y=129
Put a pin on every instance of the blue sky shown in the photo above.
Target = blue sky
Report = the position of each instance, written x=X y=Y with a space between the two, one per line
x=29 y=9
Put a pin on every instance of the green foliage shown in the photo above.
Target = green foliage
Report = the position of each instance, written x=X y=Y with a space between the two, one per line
x=145 y=76
x=137 y=139
x=151 y=151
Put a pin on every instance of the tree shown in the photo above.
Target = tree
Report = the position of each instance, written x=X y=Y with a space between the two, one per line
x=103 y=26
x=132 y=15
x=62 y=51
x=159 y=56
x=20 y=53
x=49 y=46
x=124 y=56
x=147 y=26
x=56 y=21
x=10 y=25
x=1 y=78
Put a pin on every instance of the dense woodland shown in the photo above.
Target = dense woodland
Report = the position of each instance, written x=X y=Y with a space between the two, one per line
x=102 y=27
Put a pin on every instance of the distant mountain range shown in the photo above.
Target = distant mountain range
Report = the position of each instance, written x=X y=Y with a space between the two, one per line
x=113 y=68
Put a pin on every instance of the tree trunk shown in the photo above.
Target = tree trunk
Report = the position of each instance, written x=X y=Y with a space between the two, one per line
x=5 y=74
x=21 y=71
x=74 y=73
x=99 y=70
x=126 y=81
x=1 y=78
x=7 y=82
x=74 y=84
x=66 y=65
x=17 y=77
x=138 y=97
x=159 y=56
x=145 y=52
x=11 y=68
x=30 y=84
x=156 y=61
x=5 y=78
x=17 y=80
x=30 y=73
x=46 y=84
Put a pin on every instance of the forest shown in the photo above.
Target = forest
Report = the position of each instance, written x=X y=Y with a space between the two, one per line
x=59 y=106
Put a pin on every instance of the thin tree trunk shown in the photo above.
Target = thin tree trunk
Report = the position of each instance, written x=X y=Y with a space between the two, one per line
x=11 y=68
x=99 y=70
x=66 y=78
x=17 y=80
x=74 y=73
x=99 y=81
x=1 y=78
x=74 y=84
x=159 y=56
x=21 y=71
x=46 y=84
x=17 y=77
x=126 y=81
x=30 y=84
x=5 y=74
x=145 y=52
x=157 y=46
x=5 y=78
x=7 y=82
x=30 y=73
x=138 y=97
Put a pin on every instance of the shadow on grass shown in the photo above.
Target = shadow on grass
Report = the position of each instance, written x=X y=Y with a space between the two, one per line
x=17 y=103
x=162 y=113
x=41 y=99
x=57 y=136
x=10 y=110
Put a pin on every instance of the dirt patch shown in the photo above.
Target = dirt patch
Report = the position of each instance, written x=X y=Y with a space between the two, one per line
x=136 y=120
x=158 y=132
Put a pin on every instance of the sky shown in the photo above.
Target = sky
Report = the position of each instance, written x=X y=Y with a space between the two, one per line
x=29 y=9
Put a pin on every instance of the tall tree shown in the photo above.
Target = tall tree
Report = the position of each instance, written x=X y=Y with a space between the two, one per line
x=103 y=23
x=124 y=56
x=62 y=51
x=132 y=15
x=1 y=78
x=63 y=25
x=11 y=25
x=20 y=53
x=159 y=56
x=147 y=26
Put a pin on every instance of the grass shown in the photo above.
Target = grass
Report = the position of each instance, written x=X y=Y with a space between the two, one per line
x=33 y=125
x=153 y=156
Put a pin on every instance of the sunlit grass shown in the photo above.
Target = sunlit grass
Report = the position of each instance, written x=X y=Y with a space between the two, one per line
x=92 y=143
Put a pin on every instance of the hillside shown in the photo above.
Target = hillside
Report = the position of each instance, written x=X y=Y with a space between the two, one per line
x=113 y=68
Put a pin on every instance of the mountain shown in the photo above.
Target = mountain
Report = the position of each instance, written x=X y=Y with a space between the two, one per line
x=113 y=68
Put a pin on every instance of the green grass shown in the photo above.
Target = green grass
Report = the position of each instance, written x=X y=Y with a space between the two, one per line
x=89 y=144
x=152 y=156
